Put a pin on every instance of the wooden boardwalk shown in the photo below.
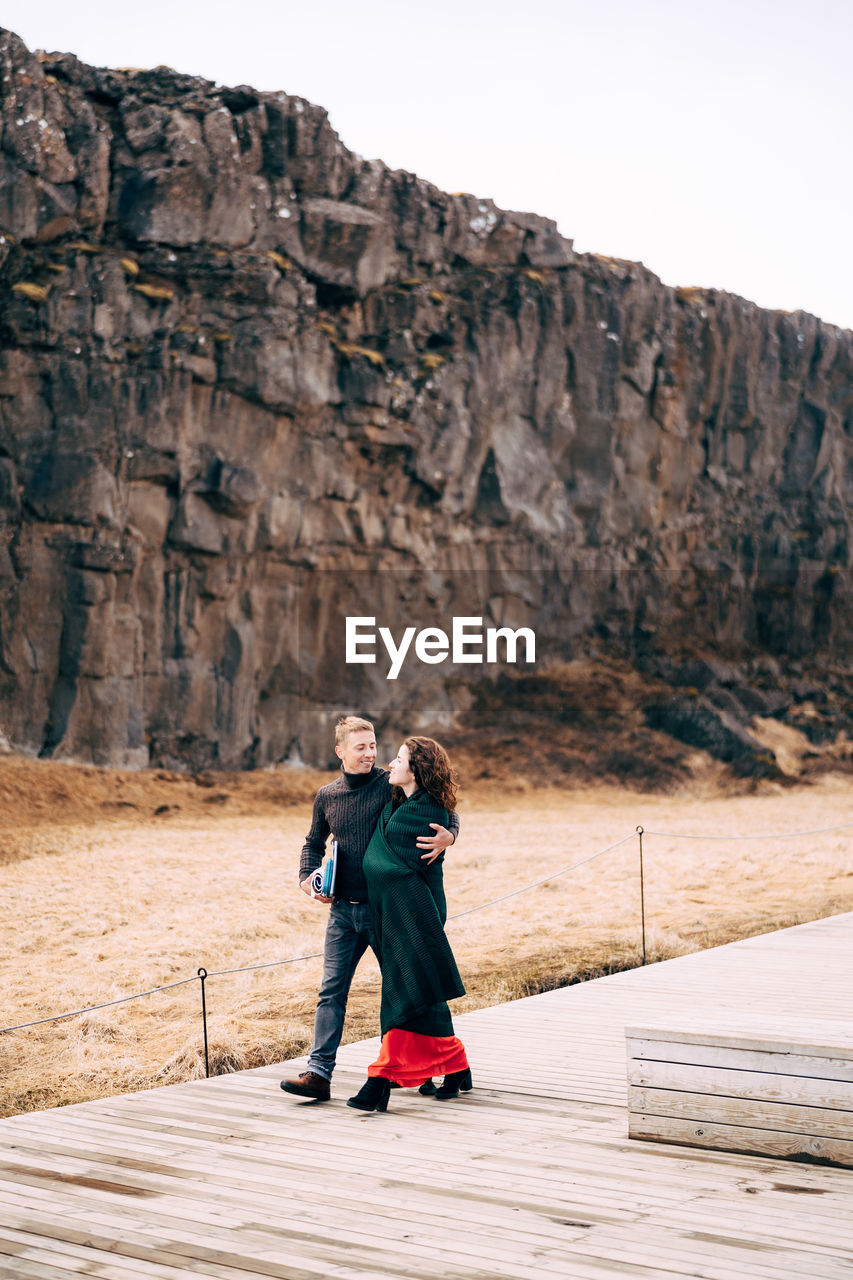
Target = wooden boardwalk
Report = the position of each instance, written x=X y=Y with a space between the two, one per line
x=529 y=1176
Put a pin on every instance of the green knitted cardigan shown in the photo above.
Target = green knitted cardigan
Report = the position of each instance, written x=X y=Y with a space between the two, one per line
x=407 y=903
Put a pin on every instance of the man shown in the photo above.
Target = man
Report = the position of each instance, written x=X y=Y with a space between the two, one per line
x=349 y=807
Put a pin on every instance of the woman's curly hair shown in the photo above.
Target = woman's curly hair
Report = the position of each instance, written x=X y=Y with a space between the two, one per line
x=434 y=773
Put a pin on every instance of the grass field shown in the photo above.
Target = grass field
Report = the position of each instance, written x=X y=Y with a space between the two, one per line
x=118 y=883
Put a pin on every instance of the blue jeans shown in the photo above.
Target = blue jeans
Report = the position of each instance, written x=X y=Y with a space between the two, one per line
x=348 y=935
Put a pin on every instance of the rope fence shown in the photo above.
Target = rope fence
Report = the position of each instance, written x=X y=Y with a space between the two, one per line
x=555 y=875
x=772 y=835
x=92 y=1008
x=203 y=974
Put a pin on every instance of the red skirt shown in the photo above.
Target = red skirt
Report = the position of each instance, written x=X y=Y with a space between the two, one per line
x=408 y=1058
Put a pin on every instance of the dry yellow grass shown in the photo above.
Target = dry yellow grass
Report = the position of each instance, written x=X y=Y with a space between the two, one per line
x=105 y=896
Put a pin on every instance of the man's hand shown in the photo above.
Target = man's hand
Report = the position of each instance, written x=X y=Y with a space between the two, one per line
x=435 y=844
x=305 y=886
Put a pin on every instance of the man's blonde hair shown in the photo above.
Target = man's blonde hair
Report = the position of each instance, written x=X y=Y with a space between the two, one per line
x=351 y=724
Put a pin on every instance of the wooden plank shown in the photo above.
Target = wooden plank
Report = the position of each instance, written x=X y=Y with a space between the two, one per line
x=688 y=1253
x=515 y=1232
x=25 y=1269
x=708 y=1055
x=711 y=1216
x=815 y=1038
x=207 y=1204
x=292 y=1253
x=745 y=1112
x=200 y=1205
x=750 y=1141
x=97 y=1261
x=727 y=1083
x=531 y=1223
x=179 y=1259
x=509 y=1198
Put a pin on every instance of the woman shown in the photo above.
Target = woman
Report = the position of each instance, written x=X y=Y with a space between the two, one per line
x=407 y=903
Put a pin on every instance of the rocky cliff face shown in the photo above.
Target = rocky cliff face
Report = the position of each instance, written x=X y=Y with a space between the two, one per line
x=252 y=384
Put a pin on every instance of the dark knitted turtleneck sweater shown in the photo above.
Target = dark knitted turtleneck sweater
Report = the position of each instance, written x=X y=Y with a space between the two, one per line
x=356 y=780
x=349 y=809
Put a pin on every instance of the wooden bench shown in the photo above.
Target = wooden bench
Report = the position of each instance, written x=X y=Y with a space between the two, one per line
x=782 y=1092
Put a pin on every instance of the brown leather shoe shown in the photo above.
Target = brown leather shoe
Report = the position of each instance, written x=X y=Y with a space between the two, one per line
x=308 y=1085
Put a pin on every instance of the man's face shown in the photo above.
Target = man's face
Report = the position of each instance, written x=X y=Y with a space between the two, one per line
x=358 y=753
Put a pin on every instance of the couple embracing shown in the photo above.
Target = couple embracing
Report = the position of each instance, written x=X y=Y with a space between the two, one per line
x=392 y=829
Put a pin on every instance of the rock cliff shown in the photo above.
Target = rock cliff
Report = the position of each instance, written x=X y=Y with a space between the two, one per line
x=253 y=384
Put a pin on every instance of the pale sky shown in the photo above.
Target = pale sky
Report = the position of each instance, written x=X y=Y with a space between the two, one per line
x=710 y=141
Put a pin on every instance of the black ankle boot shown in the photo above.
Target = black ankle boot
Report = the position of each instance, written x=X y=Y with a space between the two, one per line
x=453 y=1083
x=373 y=1095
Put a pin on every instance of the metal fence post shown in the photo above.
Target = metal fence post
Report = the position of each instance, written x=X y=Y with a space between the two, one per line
x=642 y=894
x=202 y=973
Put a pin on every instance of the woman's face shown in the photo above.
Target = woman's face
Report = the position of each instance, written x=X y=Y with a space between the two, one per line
x=400 y=773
